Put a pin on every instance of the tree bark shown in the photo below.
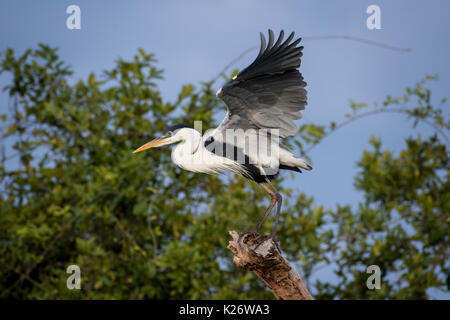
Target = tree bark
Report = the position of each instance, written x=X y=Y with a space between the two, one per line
x=260 y=254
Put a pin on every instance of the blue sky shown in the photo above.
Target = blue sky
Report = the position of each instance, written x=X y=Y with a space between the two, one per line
x=193 y=40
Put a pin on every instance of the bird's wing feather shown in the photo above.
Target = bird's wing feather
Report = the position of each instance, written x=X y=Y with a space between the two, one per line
x=269 y=93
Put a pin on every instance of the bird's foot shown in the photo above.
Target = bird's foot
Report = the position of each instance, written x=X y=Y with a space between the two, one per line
x=274 y=239
x=253 y=232
x=257 y=239
x=273 y=236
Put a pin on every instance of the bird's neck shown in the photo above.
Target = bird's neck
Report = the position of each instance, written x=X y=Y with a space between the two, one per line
x=184 y=151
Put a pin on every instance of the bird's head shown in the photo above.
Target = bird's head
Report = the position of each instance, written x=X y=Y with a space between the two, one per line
x=173 y=135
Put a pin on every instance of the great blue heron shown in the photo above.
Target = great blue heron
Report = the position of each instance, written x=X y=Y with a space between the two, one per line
x=262 y=101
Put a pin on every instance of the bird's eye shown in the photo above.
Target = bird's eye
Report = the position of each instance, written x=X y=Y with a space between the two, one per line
x=170 y=133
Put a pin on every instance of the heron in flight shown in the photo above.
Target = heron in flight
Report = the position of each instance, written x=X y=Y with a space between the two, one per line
x=262 y=101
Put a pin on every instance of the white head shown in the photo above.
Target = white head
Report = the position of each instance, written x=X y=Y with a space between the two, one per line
x=175 y=134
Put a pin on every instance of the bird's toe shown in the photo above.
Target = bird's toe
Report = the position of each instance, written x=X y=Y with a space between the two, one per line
x=254 y=233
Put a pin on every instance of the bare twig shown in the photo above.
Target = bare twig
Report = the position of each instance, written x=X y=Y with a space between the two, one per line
x=329 y=37
x=370 y=113
x=362 y=40
x=232 y=62
x=155 y=241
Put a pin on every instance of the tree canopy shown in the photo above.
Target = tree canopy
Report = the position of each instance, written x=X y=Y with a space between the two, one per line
x=72 y=192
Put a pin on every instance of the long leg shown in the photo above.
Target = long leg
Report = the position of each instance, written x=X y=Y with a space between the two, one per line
x=269 y=208
x=279 y=199
x=273 y=200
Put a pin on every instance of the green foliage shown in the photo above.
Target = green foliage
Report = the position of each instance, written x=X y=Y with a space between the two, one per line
x=72 y=192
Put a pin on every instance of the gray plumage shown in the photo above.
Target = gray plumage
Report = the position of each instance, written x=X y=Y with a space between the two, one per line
x=269 y=93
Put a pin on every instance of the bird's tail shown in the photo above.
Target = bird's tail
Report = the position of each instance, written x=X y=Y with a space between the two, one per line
x=302 y=164
x=288 y=159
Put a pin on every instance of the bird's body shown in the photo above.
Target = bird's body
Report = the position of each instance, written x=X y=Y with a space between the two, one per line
x=262 y=102
x=197 y=153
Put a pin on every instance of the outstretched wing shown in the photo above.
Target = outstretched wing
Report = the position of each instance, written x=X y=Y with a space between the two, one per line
x=269 y=93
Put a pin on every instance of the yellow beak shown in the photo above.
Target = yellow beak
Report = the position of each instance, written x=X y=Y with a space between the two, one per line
x=154 y=143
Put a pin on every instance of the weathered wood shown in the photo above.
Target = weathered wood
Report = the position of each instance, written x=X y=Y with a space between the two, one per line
x=260 y=254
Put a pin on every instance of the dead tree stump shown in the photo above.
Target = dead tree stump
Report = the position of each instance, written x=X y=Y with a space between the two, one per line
x=260 y=254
